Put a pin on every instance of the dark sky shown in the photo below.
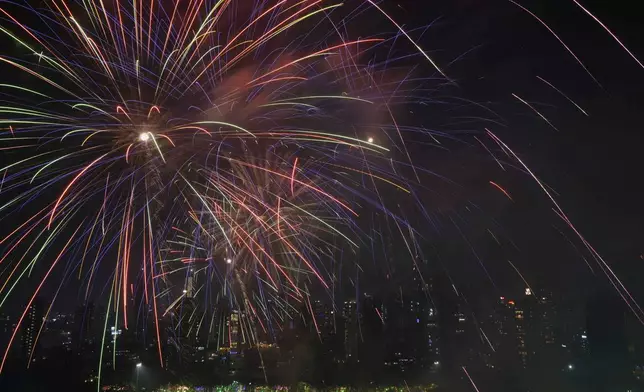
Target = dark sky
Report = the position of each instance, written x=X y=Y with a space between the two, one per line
x=593 y=163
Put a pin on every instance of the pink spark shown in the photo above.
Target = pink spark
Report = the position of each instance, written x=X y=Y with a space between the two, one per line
x=119 y=109
x=155 y=107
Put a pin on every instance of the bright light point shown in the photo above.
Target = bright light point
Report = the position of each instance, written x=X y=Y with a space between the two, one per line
x=229 y=261
x=185 y=291
x=370 y=140
x=570 y=367
x=139 y=364
x=144 y=137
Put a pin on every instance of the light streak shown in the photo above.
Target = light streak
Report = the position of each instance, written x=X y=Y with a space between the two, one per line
x=497 y=186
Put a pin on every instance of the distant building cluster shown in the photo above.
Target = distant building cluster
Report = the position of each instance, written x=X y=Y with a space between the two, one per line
x=428 y=334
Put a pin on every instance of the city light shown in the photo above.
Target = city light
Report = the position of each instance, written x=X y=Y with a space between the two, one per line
x=370 y=140
x=138 y=365
x=571 y=366
x=229 y=261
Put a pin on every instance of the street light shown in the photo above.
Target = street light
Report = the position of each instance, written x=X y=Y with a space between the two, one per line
x=144 y=136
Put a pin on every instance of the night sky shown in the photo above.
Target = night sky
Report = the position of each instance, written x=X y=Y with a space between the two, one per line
x=594 y=163
x=492 y=49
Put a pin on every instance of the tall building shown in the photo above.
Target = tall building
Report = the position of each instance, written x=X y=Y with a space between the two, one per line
x=324 y=319
x=188 y=332
x=535 y=330
x=447 y=306
x=184 y=334
x=432 y=337
x=508 y=350
x=5 y=324
x=189 y=291
x=227 y=333
x=523 y=318
x=331 y=332
x=405 y=332
x=528 y=352
x=351 y=317
x=234 y=331
x=30 y=328
x=58 y=332
x=6 y=328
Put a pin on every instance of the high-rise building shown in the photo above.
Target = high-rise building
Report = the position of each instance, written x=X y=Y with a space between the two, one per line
x=6 y=328
x=447 y=306
x=405 y=332
x=505 y=336
x=528 y=351
x=5 y=325
x=324 y=319
x=228 y=333
x=522 y=318
x=535 y=331
x=351 y=318
x=186 y=329
x=30 y=326
x=234 y=330
x=432 y=337
x=189 y=291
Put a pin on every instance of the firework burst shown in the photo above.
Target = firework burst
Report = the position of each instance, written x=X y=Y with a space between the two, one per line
x=256 y=135
x=250 y=143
